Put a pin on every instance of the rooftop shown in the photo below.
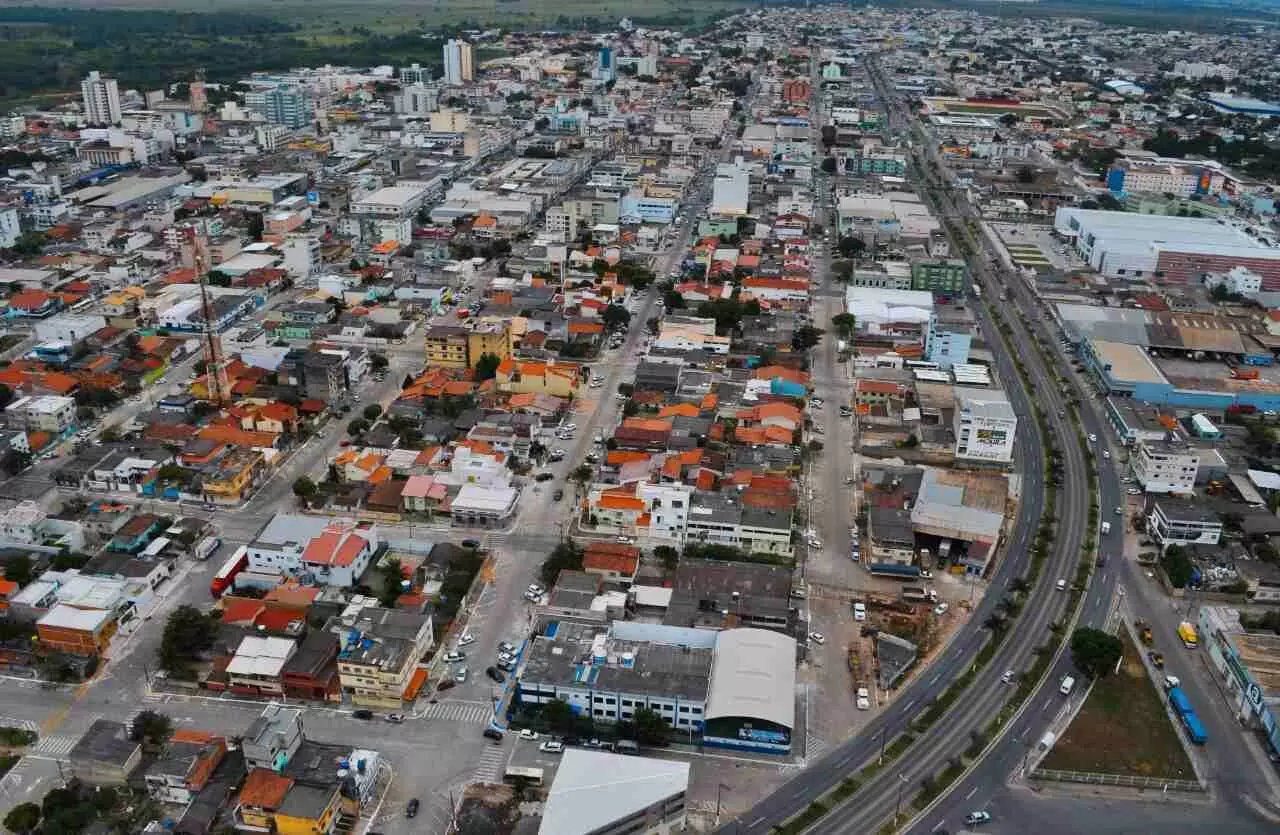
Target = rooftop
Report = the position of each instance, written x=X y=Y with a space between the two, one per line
x=592 y=789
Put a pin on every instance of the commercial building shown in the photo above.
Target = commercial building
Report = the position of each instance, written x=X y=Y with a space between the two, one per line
x=1249 y=664
x=1147 y=173
x=101 y=98
x=278 y=548
x=378 y=652
x=597 y=793
x=985 y=425
x=1166 y=465
x=387 y=214
x=282 y=105
x=943 y=276
x=1164 y=249
x=48 y=413
x=963 y=512
x=730 y=189
x=1174 y=521
x=752 y=704
x=459 y=62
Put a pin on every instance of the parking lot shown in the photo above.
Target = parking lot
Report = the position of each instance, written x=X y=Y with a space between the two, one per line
x=1035 y=246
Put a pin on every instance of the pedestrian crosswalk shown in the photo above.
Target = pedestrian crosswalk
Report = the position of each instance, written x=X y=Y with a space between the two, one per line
x=492 y=765
x=459 y=711
x=813 y=747
x=20 y=724
x=494 y=541
x=55 y=746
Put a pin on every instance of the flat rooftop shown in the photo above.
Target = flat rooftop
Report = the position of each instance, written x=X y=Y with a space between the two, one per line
x=1127 y=363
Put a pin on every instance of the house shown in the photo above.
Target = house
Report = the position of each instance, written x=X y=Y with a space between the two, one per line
x=273 y=738
x=258 y=664
x=136 y=534
x=557 y=379
x=423 y=494
x=312 y=671
x=340 y=555
x=612 y=561
x=105 y=755
x=1176 y=521
x=261 y=795
x=83 y=632
x=185 y=766
x=479 y=506
x=378 y=652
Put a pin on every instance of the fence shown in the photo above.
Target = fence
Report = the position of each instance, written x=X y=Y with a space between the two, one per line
x=1129 y=780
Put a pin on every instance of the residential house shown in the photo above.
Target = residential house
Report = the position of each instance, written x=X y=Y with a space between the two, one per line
x=378 y=652
x=273 y=738
x=340 y=555
x=613 y=561
x=105 y=755
x=446 y=346
x=185 y=766
x=258 y=664
x=558 y=379
x=75 y=631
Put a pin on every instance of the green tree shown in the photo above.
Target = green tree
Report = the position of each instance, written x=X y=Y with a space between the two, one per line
x=18 y=569
x=1177 y=565
x=651 y=728
x=842 y=269
x=1094 y=651
x=357 y=427
x=844 y=323
x=378 y=362
x=487 y=366
x=672 y=300
x=23 y=818
x=558 y=716
x=372 y=412
x=806 y=337
x=829 y=165
x=187 y=633
x=851 y=247
x=670 y=556
x=151 y=727
x=564 y=557
x=304 y=488
x=616 y=317
x=583 y=474
x=391 y=573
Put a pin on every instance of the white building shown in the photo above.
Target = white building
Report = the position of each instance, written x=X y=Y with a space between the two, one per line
x=1238 y=280
x=459 y=66
x=10 y=229
x=1174 y=521
x=481 y=468
x=595 y=792
x=417 y=101
x=279 y=546
x=387 y=214
x=414 y=74
x=48 y=413
x=985 y=426
x=101 y=97
x=477 y=506
x=1200 y=69
x=729 y=193
x=1165 y=466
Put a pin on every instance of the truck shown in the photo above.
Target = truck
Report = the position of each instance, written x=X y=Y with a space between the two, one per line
x=1187 y=632
x=1187 y=715
x=205 y=547
x=895 y=570
x=1067 y=683
x=919 y=594
x=1106 y=528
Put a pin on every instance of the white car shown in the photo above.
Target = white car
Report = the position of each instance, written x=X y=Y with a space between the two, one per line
x=1061 y=585
x=1008 y=677
x=940 y=609
x=817 y=637
x=551 y=747
x=466 y=638
x=1119 y=510
x=461 y=675
x=815 y=543
x=864 y=698
x=569 y=427
x=1134 y=491
x=534 y=588
x=525 y=733
x=1093 y=439
x=451 y=657
x=1106 y=453
x=859 y=611
x=595 y=384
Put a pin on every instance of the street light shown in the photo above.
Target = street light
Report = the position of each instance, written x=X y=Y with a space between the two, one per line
x=897 y=808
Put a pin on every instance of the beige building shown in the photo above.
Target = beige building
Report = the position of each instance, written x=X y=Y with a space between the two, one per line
x=490 y=336
x=378 y=653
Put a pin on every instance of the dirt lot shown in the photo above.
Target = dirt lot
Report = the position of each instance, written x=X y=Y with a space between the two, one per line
x=1123 y=729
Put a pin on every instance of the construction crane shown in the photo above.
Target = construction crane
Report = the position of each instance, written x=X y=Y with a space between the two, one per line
x=215 y=368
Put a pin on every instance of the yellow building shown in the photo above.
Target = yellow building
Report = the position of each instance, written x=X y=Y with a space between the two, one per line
x=557 y=379
x=490 y=336
x=236 y=474
x=447 y=346
x=378 y=655
x=308 y=810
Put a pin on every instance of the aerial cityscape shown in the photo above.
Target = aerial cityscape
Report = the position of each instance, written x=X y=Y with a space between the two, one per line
x=596 y=419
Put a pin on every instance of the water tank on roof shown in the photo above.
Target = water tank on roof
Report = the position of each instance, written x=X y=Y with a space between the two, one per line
x=628 y=660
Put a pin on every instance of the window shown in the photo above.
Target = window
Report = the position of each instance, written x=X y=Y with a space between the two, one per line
x=626 y=703
x=599 y=712
x=610 y=701
x=684 y=709
x=697 y=711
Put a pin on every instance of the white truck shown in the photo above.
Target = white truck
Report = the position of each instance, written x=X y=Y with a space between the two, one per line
x=1067 y=683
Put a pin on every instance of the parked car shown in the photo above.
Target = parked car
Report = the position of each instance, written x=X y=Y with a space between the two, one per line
x=494 y=734
x=362 y=713
x=503 y=646
x=817 y=637
x=544 y=476
x=461 y=675
x=551 y=747
x=864 y=698
x=974 y=818
x=466 y=638
x=558 y=495
x=411 y=810
x=451 y=657
x=394 y=718
x=527 y=734
x=495 y=674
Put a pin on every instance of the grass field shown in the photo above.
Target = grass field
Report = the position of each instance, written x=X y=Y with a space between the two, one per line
x=1123 y=729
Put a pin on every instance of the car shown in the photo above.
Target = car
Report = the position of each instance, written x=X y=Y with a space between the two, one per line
x=495 y=674
x=466 y=638
x=527 y=734
x=558 y=495
x=470 y=543
x=817 y=429
x=859 y=611
x=816 y=402
x=503 y=646
x=453 y=656
x=551 y=746
x=506 y=656
x=362 y=713
x=544 y=476
x=1171 y=682
x=1119 y=510
x=411 y=810
x=1093 y=439
x=595 y=384
x=817 y=637
x=506 y=666
x=625 y=540
x=532 y=596
x=940 y=609
x=461 y=675
x=494 y=734
x=1157 y=660
x=1106 y=453
x=815 y=543
x=558 y=454
x=535 y=588
x=569 y=427
x=593 y=742
x=1061 y=585
x=926 y=574
x=1134 y=491
x=394 y=718
x=864 y=698
x=974 y=818
x=1008 y=677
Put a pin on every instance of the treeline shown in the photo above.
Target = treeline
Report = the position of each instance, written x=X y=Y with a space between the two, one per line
x=149 y=49
x=1252 y=155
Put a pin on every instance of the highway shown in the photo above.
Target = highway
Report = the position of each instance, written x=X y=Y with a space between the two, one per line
x=883 y=794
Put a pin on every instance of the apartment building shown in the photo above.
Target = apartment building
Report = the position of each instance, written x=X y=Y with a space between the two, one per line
x=985 y=425
x=101 y=98
x=447 y=346
x=1175 y=521
x=378 y=652
x=1165 y=466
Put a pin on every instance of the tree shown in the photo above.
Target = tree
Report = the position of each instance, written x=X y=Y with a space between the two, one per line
x=558 y=716
x=669 y=556
x=582 y=474
x=357 y=427
x=828 y=135
x=15 y=461
x=672 y=300
x=616 y=317
x=851 y=247
x=151 y=727
x=18 y=569
x=22 y=818
x=1094 y=651
x=844 y=324
x=806 y=337
x=1177 y=565
x=651 y=728
x=372 y=412
x=378 y=362
x=6 y=395
x=304 y=488
x=842 y=269
x=995 y=623
x=564 y=557
x=187 y=633
x=829 y=165
x=487 y=366
x=392 y=574
x=1025 y=174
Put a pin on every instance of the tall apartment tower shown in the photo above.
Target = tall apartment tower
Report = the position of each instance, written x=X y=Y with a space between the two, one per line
x=101 y=99
x=459 y=66
x=414 y=74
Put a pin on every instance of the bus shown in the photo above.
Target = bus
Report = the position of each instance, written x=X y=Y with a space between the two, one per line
x=156 y=547
x=527 y=776
x=205 y=547
x=227 y=574
x=895 y=570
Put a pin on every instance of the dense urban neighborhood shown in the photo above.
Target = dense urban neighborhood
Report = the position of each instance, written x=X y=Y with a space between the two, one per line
x=826 y=419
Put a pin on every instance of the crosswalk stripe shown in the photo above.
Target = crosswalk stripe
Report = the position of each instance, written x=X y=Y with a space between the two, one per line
x=58 y=744
x=490 y=767
x=459 y=712
x=20 y=724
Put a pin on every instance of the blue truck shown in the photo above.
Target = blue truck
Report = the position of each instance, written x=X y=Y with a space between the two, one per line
x=1187 y=714
x=893 y=569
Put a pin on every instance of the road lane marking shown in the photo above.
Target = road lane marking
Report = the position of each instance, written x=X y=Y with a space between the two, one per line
x=971 y=793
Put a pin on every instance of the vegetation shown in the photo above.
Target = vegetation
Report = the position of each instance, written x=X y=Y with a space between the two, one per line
x=188 y=633
x=79 y=807
x=18 y=569
x=564 y=557
x=304 y=488
x=151 y=727
x=1094 y=651
x=1177 y=566
x=487 y=367
x=391 y=574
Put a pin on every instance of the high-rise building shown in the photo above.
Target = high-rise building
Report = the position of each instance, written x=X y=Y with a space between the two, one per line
x=414 y=74
x=459 y=66
x=199 y=96
x=606 y=69
x=101 y=99
x=281 y=106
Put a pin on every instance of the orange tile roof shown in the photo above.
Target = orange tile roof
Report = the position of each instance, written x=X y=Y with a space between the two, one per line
x=29 y=299
x=614 y=501
x=264 y=788
x=648 y=424
x=625 y=456
x=680 y=409
x=334 y=547
x=625 y=564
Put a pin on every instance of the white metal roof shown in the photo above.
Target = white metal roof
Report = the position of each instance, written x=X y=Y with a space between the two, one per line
x=69 y=617
x=753 y=675
x=592 y=789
